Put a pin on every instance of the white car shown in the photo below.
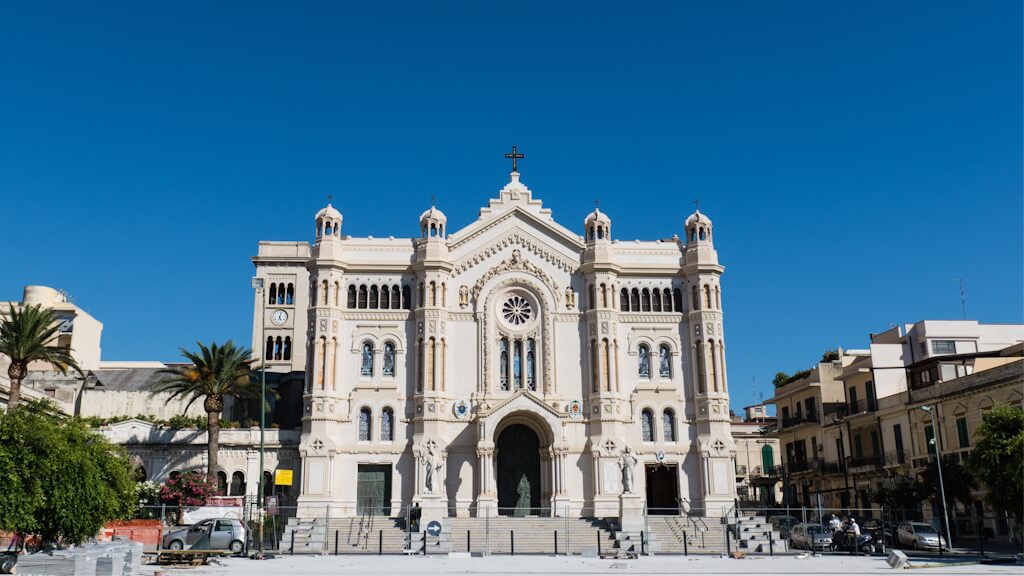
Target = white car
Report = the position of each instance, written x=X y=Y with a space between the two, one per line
x=919 y=536
x=810 y=537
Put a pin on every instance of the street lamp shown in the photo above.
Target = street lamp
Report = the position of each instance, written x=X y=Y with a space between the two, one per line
x=938 y=463
x=839 y=421
x=257 y=284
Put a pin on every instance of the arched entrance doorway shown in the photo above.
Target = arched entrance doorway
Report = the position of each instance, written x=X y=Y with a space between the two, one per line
x=519 y=471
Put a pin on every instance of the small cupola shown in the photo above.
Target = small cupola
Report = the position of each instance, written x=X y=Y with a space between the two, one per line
x=328 y=224
x=598 y=226
x=698 y=228
x=432 y=223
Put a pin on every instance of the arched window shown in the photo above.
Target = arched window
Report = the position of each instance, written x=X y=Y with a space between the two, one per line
x=677 y=299
x=337 y=293
x=707 y=297
x=278 y=348
x=604 y=296
x=362 y=296
x=645 y=300
x=237 y=484
x=351 y=296
x=420 y=364
x=634 y=300
x=366 y=360
x=666 y=300
x=664 y=361
x=656 y=300
x=289 y=298
x=647 y=425
x=287 y=347
x=422 y=296
x=406 y=297
x=387 y=428
x=531 y=368
x=696 y=298
x=269 y=354
x=702 y=235
x=712 y=365
x=389 y=359
x=222 y=482
x=324 y=288
x=365 y=419
x=374 y=298
x=503 y=364
x=718 y=298
x=396 y=297
x=624 y=300
x=592 y=303
x=517 y=363
x=268 y=483
x=668 y=423
x=767 y=458
x=433 y=293
x=385 y=297
x=273 y=294
x=644 y=361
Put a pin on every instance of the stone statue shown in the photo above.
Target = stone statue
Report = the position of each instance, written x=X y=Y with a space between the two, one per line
x=431 y=464
x=628 y=464
x=463 y=296
x=523 y=503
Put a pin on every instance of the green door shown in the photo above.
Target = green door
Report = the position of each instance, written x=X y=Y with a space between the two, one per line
x=373 y=489
x=767 y=458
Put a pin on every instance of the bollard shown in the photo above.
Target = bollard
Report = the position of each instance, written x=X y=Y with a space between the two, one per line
x=642 y=543
x=291 y=548
x=728 y=544
x=981 y=541
x=512 y=541
x=686 y=548
x=771 y=545
x=424 y=542
x=469 y=541
x=380 y=542
x=335 y=542
x=598 y=543
x=556 y=542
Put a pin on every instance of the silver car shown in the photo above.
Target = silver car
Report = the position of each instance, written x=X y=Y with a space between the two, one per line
x=810 y=537
x=212 y=534
x=919 y=535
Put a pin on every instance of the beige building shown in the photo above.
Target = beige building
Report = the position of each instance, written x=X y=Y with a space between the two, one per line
x=871 y=413
x=451 y=369
x=758 y=482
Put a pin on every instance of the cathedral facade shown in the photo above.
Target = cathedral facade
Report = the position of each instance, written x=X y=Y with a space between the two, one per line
x=511 y=366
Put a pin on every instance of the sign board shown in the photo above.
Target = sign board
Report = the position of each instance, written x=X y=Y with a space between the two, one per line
x=283 y=477
x=434 y=528
x=272 y=507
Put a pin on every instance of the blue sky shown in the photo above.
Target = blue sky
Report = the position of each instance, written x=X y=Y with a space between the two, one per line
x=856 y=157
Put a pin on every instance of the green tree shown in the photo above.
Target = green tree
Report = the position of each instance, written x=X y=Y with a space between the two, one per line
x=61 y=480
x=215 y=373
x=901 y=497
x=26 y=336
x=780 y=378
x=998 y=459
x=958 y=481
x=190 y=488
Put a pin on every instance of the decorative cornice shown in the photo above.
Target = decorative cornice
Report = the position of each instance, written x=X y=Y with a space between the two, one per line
x=515 y=263
x=516 y=238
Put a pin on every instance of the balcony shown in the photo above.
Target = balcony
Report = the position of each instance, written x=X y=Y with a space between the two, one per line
x=896 y=457
x=861 y=406
x=873 y=461
x=799 y=419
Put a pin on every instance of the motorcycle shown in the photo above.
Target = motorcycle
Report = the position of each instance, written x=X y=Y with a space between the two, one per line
x=847 y=541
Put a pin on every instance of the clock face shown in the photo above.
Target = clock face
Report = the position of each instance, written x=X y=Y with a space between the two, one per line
x=279 y=317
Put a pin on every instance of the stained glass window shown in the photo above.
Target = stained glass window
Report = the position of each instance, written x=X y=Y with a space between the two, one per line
x=669 y=424
x=389 y=359
x=366 y=365
x=644 y=361
x=531 y=369
x=647 y=425
x=664 y=362
x=364 y=424
x=504 y=364
x=517 y=363
x=386 y=427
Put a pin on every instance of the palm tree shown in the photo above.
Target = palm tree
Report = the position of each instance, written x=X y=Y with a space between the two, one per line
x=215 y=372
x=26 y=336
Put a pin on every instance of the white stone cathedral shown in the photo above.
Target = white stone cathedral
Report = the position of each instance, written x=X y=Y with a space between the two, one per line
x=508 y=365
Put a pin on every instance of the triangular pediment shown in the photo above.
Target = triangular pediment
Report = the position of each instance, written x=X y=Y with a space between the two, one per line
x=521 y=400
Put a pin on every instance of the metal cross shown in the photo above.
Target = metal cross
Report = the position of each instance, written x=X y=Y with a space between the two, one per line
x=514 y=155
x=696 y=203
x=597 y=204
x=329 y=198
x=433 y=200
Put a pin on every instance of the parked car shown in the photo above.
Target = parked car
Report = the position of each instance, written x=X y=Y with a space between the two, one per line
x=919 y=536
x=810 y=537
x=212 y=534
x=784 y=524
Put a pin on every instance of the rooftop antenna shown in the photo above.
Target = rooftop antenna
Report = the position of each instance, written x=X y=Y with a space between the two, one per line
x=963 y=298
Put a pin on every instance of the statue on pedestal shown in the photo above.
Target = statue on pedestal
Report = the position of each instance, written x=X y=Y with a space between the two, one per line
x=431 y=464
x=628 y=464
x=523 y=491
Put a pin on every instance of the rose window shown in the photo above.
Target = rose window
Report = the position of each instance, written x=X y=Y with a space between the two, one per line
x=517 y=310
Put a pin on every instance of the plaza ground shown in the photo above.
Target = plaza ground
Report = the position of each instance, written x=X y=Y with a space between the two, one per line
x=520 y=565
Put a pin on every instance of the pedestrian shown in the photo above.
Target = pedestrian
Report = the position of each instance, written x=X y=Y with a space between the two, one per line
x=834 y=524
x=855 y=536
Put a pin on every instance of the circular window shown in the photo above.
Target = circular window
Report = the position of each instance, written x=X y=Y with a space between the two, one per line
x=517 y=310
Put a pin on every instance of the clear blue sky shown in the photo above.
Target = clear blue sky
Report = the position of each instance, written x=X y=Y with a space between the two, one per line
x=856 y=157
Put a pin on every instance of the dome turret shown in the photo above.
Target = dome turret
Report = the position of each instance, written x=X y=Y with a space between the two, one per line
x=432 y=223
x=598 y=226
x=328 y=223
x=698 y=228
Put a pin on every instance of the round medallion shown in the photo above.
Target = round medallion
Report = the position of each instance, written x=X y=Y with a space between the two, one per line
x=460 y=409
x=517 y=310
x=660 y=455
x=575 y=409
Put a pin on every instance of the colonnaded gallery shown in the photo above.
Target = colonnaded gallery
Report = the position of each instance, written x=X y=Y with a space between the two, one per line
x=513 y=364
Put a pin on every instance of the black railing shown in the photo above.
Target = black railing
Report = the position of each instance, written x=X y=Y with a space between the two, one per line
x=859 y=406
x=800 y=418
x=860 y=461
x=896 y=457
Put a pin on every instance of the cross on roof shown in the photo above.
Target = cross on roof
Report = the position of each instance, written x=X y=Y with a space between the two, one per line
x=329 y=198
x=514 y=155
x=696 y=204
